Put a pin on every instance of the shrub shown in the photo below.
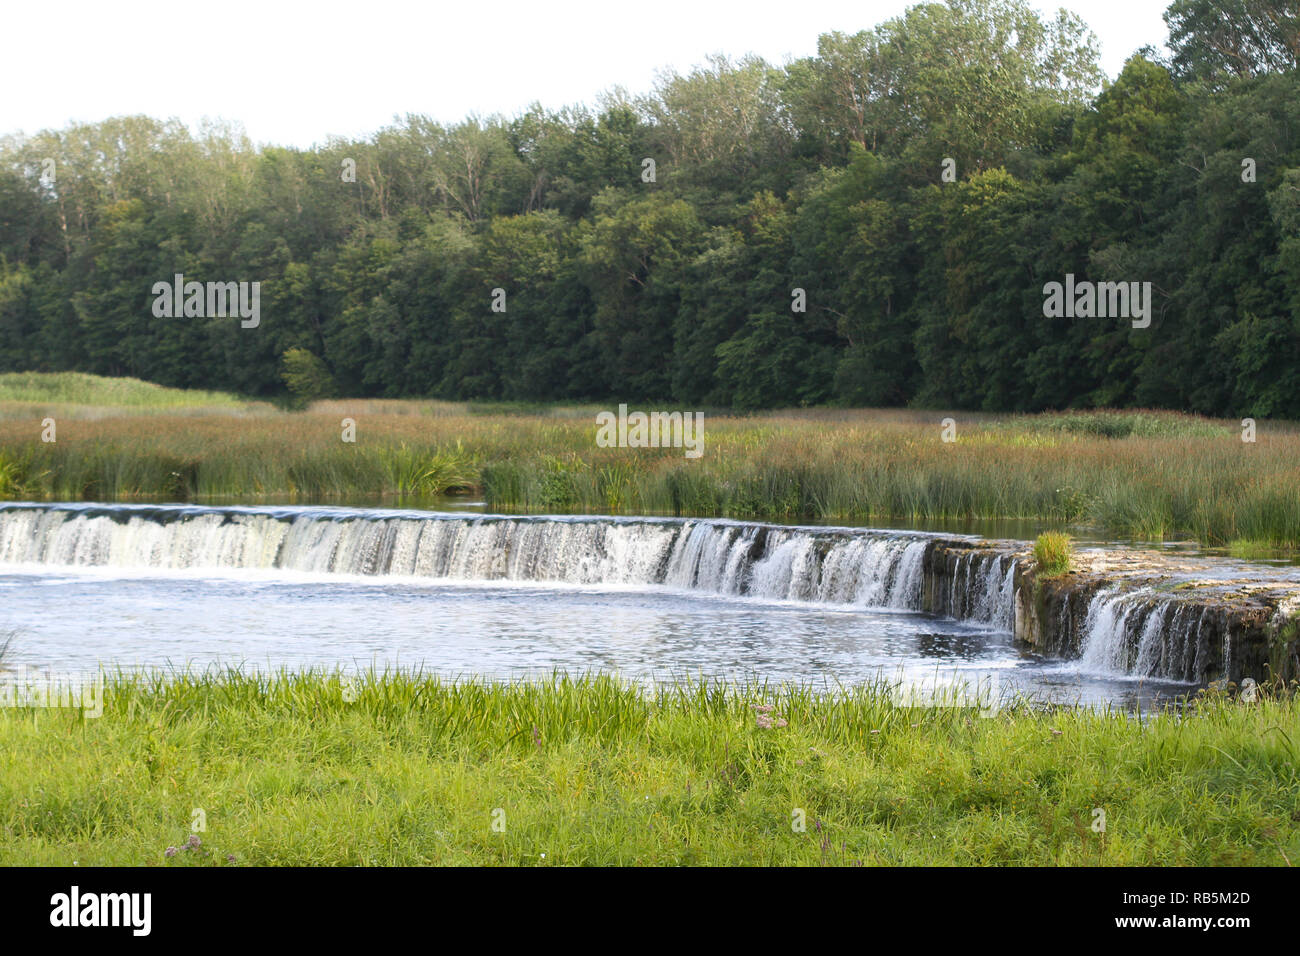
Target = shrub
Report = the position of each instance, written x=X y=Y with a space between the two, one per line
x=306 y=376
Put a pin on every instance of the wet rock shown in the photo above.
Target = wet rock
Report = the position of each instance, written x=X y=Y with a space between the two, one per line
x=1170 y=616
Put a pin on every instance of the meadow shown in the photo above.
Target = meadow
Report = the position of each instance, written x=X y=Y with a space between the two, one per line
x=399 y=768
x=312 y=769
x=1141 y=475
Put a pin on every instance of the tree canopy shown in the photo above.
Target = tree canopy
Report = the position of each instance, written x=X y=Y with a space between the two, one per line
x=871 y=225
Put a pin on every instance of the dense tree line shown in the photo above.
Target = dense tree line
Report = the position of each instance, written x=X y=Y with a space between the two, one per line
x=379 y=258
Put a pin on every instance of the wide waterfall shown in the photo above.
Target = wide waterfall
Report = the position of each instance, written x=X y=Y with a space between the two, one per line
x=1105 y=623
x=840 y=566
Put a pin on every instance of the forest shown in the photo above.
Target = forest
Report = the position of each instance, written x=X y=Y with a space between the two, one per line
x=874 y=225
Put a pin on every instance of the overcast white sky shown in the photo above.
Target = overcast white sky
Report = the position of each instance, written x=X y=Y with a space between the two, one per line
x=295 y=73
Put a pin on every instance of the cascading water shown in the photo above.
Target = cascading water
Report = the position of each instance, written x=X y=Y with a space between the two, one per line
x=1145 y=634
x=832 y=566
x=981 y=587
x=1148 y=626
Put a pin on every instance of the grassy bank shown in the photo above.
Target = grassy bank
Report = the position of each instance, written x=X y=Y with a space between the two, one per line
x=1141 y=474
x=69 y=391
x=400 y=770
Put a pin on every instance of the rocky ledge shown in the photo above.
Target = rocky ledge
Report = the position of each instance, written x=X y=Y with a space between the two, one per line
x=1150 y=613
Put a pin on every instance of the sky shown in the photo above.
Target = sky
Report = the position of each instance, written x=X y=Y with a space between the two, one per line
x=294 y=74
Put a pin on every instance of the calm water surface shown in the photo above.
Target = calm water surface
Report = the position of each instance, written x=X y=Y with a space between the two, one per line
x=76 y=619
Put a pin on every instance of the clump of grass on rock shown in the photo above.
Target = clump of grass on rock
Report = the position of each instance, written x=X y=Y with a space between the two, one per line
x=1054 y=552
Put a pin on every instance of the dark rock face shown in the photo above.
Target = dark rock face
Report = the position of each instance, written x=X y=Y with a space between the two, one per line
x=1051 y=613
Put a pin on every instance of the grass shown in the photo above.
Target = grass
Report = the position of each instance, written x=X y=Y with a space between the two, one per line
x=308 y=769
x=1054 y=553
x=80 y=389
x=1143 y=475
x=414 y=472
x=1117 y=424
x=1251 y=550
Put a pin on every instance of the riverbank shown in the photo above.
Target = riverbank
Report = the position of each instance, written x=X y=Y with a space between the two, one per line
x=1140 y=475
x=310 y=770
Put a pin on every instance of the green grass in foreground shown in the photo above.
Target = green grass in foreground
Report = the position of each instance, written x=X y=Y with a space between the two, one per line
x=590 y=771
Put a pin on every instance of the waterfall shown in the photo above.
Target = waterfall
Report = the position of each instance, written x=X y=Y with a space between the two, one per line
x=1147 y=631
x=1143 y=633
x=974 y=584
x=865 y=568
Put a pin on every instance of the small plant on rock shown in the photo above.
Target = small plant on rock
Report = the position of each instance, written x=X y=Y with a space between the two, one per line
x=1054 y=552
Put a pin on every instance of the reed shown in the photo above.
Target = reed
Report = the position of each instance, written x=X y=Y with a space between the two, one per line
x=1142 y=475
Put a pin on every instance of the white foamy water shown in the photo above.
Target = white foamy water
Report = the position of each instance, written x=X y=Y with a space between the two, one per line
x=873 y=569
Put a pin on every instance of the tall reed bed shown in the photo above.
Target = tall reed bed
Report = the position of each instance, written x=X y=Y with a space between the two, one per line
x=1143 y=474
